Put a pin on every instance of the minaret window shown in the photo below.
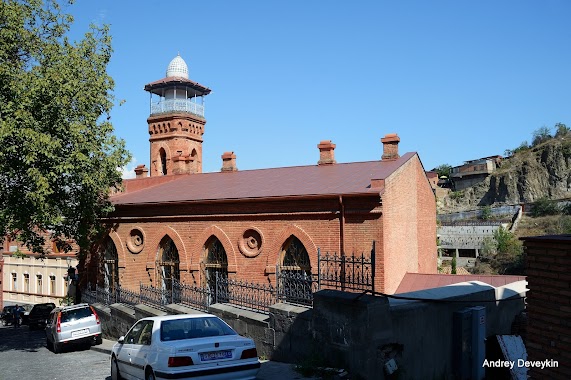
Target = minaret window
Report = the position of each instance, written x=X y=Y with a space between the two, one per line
x=163 y=161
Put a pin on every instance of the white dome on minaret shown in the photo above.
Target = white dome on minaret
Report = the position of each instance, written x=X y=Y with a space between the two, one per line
x=177 y=68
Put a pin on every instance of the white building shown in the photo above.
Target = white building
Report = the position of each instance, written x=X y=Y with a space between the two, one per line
x=29 y=279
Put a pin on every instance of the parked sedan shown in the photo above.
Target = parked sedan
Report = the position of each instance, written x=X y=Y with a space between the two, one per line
x=198 y=346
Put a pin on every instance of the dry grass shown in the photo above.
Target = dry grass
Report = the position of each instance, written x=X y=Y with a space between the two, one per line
x=544 y=225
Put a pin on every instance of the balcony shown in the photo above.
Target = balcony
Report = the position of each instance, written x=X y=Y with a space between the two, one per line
x=177 y=105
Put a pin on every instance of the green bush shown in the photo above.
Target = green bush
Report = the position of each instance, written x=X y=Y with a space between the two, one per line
x=543 y=206
x=486 y=213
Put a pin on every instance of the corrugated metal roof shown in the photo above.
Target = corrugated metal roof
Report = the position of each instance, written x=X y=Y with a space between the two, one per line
x=349 y=178
x=419 y=281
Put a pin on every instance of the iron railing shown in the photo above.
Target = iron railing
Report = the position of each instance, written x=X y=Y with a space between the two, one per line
x=296 y=286
x=347 y=273
x=249 y=295
x=194 y=296
x=177 y=105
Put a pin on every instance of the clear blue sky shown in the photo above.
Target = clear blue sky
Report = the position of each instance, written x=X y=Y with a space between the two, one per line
x=457 y=80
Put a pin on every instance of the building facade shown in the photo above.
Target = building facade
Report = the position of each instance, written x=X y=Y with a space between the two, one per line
x=28 y=278
x=182 y=225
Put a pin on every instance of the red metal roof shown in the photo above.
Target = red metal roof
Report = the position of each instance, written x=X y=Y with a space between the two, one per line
x=314 y=180
x=420 y=281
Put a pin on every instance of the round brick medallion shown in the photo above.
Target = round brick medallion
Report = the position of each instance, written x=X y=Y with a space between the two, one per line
x=250 y=244
x=136 y=241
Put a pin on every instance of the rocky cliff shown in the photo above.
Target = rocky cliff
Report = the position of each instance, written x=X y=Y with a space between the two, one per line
x=543 y=171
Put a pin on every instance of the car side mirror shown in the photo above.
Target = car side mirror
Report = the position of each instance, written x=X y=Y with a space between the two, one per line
x=121 y=340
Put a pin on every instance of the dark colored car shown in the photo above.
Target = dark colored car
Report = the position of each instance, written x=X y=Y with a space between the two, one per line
x=8 y=314
x=39 y=314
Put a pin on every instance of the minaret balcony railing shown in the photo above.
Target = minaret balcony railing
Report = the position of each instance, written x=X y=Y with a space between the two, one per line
x=177 y=105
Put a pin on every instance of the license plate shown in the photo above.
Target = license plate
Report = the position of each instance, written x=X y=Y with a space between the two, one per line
x=215 y=355
x=79 y=333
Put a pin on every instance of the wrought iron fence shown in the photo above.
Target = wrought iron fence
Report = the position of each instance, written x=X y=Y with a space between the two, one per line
x=106 y=296
x=296 y=286
x=193 y=296
x=348 y=273
x=158 y=297
x=250 y=295
x=128 y=297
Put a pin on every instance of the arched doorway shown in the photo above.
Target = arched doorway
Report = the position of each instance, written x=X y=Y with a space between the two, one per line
x=295 y=281
x=215 y=270
x=110 y=266
x=167 y=264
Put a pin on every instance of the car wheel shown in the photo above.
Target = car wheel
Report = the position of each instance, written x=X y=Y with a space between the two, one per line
x=57 y=348
x=149 y=374
x=98 y=340
x=115 y=374
x=49 y=345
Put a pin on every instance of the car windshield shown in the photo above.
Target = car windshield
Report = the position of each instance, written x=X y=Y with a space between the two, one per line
x=74 y=314
x=40 y=308
x=190 y=328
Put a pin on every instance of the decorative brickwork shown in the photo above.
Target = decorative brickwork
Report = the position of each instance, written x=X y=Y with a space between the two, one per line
x=398 y=214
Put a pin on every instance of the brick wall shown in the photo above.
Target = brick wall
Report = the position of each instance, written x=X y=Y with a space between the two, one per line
x=409 y=225
x=315 y=222
x=549 y=304
x=179 y=134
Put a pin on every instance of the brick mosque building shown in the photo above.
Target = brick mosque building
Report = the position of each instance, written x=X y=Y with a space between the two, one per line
x=173 y=222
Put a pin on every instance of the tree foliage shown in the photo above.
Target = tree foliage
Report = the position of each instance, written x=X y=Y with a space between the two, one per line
x=502 y=254
x=544 y=206
x=58 y=155
x=540 y=135
x=443 y=170
x=561 y=130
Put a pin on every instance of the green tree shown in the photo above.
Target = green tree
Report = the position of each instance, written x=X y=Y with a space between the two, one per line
x=443 y=170
x=561 y=130
x=540 y=135
x=58 y=155
x=507 y=242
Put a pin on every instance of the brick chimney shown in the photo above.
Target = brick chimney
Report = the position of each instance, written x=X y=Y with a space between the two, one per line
x=326 y=153
x=229 y=162
x=141 y=171
x=182 y=164
x=390 y=146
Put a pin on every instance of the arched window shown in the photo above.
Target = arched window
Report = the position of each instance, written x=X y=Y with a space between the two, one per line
x=163 y=161
x=294 y=272
x=168 y=264
x=110 y=266
x=194 y=162
x=215 y=266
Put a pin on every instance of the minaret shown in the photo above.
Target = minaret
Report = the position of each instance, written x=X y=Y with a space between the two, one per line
x=176 y=123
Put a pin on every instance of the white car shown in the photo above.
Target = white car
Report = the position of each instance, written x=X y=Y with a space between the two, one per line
x=188 y=346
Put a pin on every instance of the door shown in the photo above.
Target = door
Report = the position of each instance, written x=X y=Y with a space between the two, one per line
x=140 y=349
x=125 y=352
